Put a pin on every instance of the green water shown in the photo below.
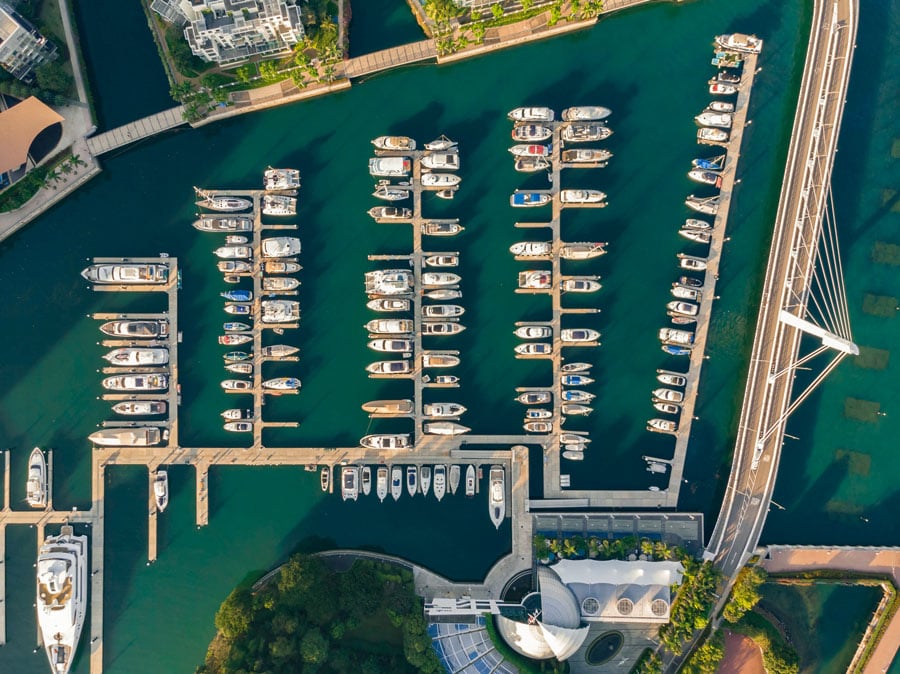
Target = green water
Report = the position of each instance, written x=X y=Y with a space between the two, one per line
x=381 y=24
x=141 y=205
x=825 y=621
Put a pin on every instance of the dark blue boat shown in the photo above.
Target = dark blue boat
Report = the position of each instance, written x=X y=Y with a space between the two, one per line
x=711 y=164
x=673 y=350
x=238 y=295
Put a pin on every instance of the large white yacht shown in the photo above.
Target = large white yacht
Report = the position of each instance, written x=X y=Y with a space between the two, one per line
x=497 y=499
x=36 y=486
x=127 y=274
x=350 y=483
x=127 y=437
x=161 y=489
x=62 y=594
x=137 y=356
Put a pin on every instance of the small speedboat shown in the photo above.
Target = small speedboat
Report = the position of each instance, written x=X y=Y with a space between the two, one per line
x=574 y=409
x=161 y=489
x=531 y=133
x=396 y=482
x=670 y=378
x=705 y=177
x=232 y=339
x=237 y=414
x=387 y=305
x=140 y=407
x=662 y=426
x=442 y=328
x=531 y=164
x=685 y=293
x=36 y=484
x=412 y=480
x=238 y=426
x=447 y=193
x=667 y=408
x=531 y=115
x=385 y=441
x=279 y=351
x=531 y=248
x=240 y=368
x=695 y=235
x=381 y=483
x=668 y=395
x=431 y=279
x=722 y=89
x=394 y=143
x=533 y=332
x=325 y=478
x=236 y=309
x=585 y=113
x=580 y=285
x=440 y=481
x=391 y=192
x=443 y=294
x=442 y=311
x=533 y=413
x=389 y=367
x=443 y=409
x=520 y=199
x=711 y=135
x=585 y=133
x=445 y=380
x=390 y=213
x=442 y=260
x=366 y=480
x=575 y=380
x=726 y=76
x=433 y=359
x=425 y=479
x=534 y=397
x=579 y=335
x=722 y=120
x=441 y=228
x=683 y=308
x=530 y=150
x=538 y=426
x=697 y=225
x=690 y=262
x=470 y=481
x=282 y=384
x=534 y=349
x=581 y=196
x=440 y=180
x=236 y=384
x=569 y=368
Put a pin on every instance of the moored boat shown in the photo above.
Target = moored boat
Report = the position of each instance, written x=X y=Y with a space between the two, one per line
x=280 y=246
x=721 y=106
x=575 y=409
x=444 y=428
x=443 y=294
x=432 y=311
x=433 y=359
x=281 y=179
x=325 y=478
x=662 y=425
x=234 y=326
x=575 y=367
x=707 y=206
x=440 y=481
x=282 y=384
x=391 y=345
x=691 y=262
x=581 y=196
x=387 y=192
x=674 y=350
x=389 y=367
x=223 y=224
x=161 y=489
x=579 y=335
x=233 y=252
x=442 y=410
x=705 y=177
x=381 y=482
x=236 y=384
x=585 y=113
x=497 y=497
x=722 y=89
x=535 y=279
x=531 y=164
x=390 y=326
x=233 y=339
x=534 y=397
x=137 y=356
x=586 y=156
x=425 y=479
x=396 y=482
x=585 y=133
x=531 y=248
x=441 y=161
x=37 y=484
x=442 y=328
x=441 y=228
x=526 y=199
x=240 y=368
x=236 y=356
x=279 y=351
x=234 y=266
x=533 y=332
x=136 y=382
x=136 y=329
x=279 y=311
x=279 y=204
x=667 y=408
x=237 y=414
x=281 y=267
x=667 y=395
x=580 y=285
x=694 y=223
x=145 y=436
x=576 y=396
x=583 y=250
x=394 y=143
x=440 y=180
x=349 y=483
x=432 y=278
x=531 y=114
x=740 y=42
x=530 y=150
x=720 y=120
x=531 y=133
x=62 y=596
x=412 y=480
x=124 y=273
x=538 y=426
x=438 y=144
x=387 y=305
x=670 y=378
x=676 y=337
x=711 y=135
x=279 y=284
x=365 y=478
x=389 y=167
x=470 y=480
x=388 y=406
x=575 y=380
x=684 y=308
x=140 y=407
x=573 y=455
x=390 y=213
x=222 y=202
x=534 y=349
x=442 y=260
x=695 y=235
x=454 y=478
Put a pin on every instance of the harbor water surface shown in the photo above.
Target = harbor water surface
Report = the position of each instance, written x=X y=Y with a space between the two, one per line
x=650 y=66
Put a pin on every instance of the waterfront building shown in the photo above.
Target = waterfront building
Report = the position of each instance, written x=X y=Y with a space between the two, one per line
x=232 y=31
x=20 y=126
x=22 y=47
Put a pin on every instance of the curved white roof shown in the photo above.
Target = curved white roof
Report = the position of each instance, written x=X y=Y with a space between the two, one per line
x=541 y=641
x=614 y=572
x=559 y=606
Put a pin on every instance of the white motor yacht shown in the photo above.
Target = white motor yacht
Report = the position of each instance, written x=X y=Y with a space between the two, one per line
x=533 y=331
x=37 y=484
x=62 y=596
x=453 y=483
x=396 y=482
x=441 y=161
x=390 y=326
x=280 y=246
x=412 y=480
x=127 y=274
x=437 y=359
x=389 y=167
x=583 y=250
x=140 y=407
x=136 y=382
x=365 y=479
x=444 y=428
x=381 y=482
x=349 y=483
x=579 y=335
x=279 y=311
x=425 y=479
x=386 y=441
x=278 y=204
x=161 y=489
x=127 y=437
x=470 y=481
x=581 y=196
x=497 y=499
x=388 y=407
x=388 y=367
x=531 y=114
x=662 y=426
x=440 y=481
x=585 y=113
x=531 y=248
x=137 y=356
x=443 y=410
x=136 y=329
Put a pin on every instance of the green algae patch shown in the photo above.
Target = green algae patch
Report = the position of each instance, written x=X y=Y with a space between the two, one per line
x=870 y=358
x=879 y=305
x=886 y=253
x=861 y=410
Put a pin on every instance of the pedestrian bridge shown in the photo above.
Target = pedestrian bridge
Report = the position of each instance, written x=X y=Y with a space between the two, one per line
x=137 y=130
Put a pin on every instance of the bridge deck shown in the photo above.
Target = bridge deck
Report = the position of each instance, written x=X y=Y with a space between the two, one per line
x=136 y=130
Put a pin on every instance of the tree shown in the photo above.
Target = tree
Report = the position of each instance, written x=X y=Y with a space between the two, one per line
x=268 y=70
x=440 y=11
x=706 y=659
x=53 y=77
x=497 y=10
x=243 y=74
x=745 y=593
x=234 y=615
x=527 y=4
x=314 y=647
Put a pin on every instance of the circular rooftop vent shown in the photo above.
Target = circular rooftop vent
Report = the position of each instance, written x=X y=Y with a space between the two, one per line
x=590 y=606
x=625 y=606
x=659 y=607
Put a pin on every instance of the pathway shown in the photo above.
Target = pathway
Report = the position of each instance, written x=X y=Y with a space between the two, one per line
x=137 y=130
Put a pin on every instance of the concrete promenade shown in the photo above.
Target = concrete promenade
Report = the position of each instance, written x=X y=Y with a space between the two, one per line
x=862 y=560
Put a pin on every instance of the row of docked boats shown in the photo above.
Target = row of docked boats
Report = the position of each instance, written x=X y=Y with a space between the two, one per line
x=277 y=200
x=358 y=480
x=667 y=399
x=533 y=126
x=396 y=158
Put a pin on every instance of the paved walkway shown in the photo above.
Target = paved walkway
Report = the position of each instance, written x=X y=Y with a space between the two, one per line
x=134 y=131
x=388 y=58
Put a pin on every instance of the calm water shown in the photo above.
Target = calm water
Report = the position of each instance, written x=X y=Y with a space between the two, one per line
x=141 y=205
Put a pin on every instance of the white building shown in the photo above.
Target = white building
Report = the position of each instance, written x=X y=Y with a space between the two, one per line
x=231 y=31
x=22 y=47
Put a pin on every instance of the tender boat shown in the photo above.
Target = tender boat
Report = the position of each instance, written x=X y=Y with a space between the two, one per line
x=447 y=193
x=390 y=326
x=681 y=320
x=385 y=305
x=685 y=293
x=441 y=228
x=573 y=455
x=240 y=368
x=712 y=163
x=444 y=428
x=388 y=407
x=696 y=236
x=721 y=120
x=697 y=225
x=234 y=267
x=726 y=76
x=396 y=482
x=391 y=345
x=439 y=144
x=279 y=311
x=676 y=337
x=282 y=384
x=722 y=89
x=325 y=478
x=580 y=285
x=146 y=436
x=530 y=150
x=432 y=311
x=442 y=328
x=432 y=278
x=670 y=378
x=223 y=202
x=534 y=349
x=237 y=309
x=583 y=250
x=520 y=199
x=443 y=410
x=233 y=239
x=667 y=395
x=237 y=414
x=581 y=196
x=531 y=248
x=574 y=409
x=708 y=206
x=575 y=367
x=535 y=397
x=37 y=485
x=133 y=356
x=443 y=294
x=366 y=480
x=531 y=164
x=389 y=192
x=440 y=180
x=236 y=356
x=531 y=133
x=535 y=279
x=425 y=479
x=234 y=252
x=381 y=483
x=538 y=426
x=576 y=396
x=533 y=413
x=533 y=332
x=684 y=308
x=531 y=115
x=720 y=106
x=712 y=135
x=454 y=478
x=62 y=596
x=440 y=481
x=234 y=339
x=390 y=167
x=140 y=407
x=441 y=161
x=442 y=260
x=136 y=382
x=705 y=177
x=390 y=213
x=389 y=367
x=386 y=441
x=280 y=246
x=586 y=156
x=278 y=204
x=412 y=480
x=281 y=179
x=740 y=42
x=236 y=384
x=394 y=143
x=233 y=326
x=667 y=408
x=223 y=224
x=470 y=481
x=126 y=274
x=280 y=267
x=136 y=329
x=497 y=499
x=432 y=359
x=389 y=282
x=662 y=425
x=575 y=380
x=585 y=113
x=690 y=262
x=579 y=335
x=674 y=350
x=585 y=133
x=574 y=438
x=280 y=284
x=279 y=351
x=349 y=483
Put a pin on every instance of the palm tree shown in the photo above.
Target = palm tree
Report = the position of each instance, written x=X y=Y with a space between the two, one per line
x=77 y=160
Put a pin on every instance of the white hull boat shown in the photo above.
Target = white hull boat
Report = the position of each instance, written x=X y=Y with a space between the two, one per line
x=37 y=485
x=396 y=482
x=161 y=490
x=585 y=113
x=62 y=596
x=381 y=482
x=440 y=481
x=470 y=481
x=454 y=478
x=528 y=114
x=497 y=499
x=444 y=428
x=140 y=407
